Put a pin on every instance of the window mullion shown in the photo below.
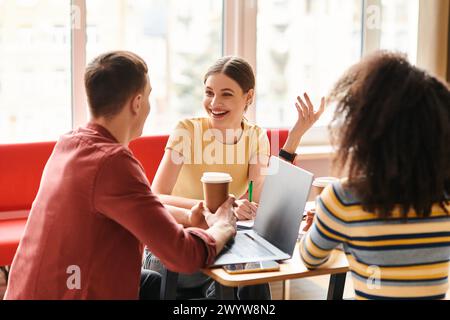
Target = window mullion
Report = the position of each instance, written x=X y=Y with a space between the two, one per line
x=372 y=12
x=78 y=61
x=432 y=36
x=240 y=33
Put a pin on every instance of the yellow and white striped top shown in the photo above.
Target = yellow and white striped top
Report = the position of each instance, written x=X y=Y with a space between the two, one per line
x=388 y=259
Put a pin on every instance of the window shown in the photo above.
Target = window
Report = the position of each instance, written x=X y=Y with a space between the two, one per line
x=294 y=45
x=35 y=70
x=178 y=39
x=399 y=26
x=304 y=46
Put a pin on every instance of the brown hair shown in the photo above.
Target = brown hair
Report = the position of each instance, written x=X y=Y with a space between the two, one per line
x=235 y=68
x=113 y=78
x=392 y=128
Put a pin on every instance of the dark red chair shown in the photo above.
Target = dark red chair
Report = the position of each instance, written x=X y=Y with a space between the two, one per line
x=21 y=167
x=149 y=151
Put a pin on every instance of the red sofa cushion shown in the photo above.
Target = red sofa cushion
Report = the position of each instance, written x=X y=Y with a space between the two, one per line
x=149 y=151
x=21 y=167
x=10 y=234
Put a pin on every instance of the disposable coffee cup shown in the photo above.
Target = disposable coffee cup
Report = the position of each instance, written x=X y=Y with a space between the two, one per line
x=320 y=183
x=317 y=187
x=215 y=189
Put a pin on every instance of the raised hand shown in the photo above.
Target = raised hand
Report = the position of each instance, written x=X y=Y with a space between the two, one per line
x=306 y=119
x=306 y=114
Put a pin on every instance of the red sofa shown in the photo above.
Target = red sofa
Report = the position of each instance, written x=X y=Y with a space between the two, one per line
x=21 y=167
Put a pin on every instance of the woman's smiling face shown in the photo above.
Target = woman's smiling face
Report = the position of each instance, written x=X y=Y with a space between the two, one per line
x=225 y=102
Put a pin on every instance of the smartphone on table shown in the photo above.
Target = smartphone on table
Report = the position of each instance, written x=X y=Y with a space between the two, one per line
x=251 y=267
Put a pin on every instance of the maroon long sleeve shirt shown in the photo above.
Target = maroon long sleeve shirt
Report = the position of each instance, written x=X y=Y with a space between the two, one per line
x=93 y=212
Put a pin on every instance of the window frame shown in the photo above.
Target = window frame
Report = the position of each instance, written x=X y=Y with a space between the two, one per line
x=79 y=36
x=244 y=29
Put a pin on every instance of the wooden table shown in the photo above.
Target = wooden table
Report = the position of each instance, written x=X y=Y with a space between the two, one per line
x=337 y=267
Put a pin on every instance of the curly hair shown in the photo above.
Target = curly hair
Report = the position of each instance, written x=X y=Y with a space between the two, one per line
x=392 y=131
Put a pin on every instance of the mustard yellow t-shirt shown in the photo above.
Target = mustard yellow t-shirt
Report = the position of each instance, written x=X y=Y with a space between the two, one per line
x=201 y=152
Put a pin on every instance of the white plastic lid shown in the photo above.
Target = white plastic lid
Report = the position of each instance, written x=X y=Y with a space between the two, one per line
x=322 y=182
x=216 y=177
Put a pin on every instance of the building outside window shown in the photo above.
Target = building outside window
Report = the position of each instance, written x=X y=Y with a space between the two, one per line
x=35 y=70
x=304 y=46
x=178 y=39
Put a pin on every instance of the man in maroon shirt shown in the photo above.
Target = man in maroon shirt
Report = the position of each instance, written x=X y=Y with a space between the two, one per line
x=94 y=209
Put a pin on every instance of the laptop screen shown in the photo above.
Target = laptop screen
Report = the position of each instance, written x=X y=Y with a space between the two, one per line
x=283 y=199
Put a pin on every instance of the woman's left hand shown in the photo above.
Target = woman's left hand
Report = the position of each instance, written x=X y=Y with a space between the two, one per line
x=306 y=118
x=306 y=115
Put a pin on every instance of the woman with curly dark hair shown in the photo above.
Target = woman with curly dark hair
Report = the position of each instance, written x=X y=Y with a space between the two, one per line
x=392 y=131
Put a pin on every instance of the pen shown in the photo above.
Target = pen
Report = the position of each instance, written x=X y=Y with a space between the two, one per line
x=250 y=191
x=250 y=236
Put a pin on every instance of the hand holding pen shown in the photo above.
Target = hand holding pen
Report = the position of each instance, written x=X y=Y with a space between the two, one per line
x=246 y=209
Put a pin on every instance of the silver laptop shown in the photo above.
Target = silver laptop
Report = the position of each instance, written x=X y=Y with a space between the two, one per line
x=274 y=235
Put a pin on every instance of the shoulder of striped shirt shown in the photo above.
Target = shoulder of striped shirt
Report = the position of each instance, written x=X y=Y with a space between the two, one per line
x=343 y=205
x=339 y=202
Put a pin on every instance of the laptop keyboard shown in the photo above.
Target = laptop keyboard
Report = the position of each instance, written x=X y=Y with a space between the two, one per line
x=245 y=246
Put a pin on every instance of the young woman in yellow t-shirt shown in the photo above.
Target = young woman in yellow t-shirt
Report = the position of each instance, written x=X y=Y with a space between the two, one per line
x=224 y=141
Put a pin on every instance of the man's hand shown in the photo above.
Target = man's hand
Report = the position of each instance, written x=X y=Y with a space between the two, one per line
x=224 y=215
x=197 y=216
x=222 y=223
